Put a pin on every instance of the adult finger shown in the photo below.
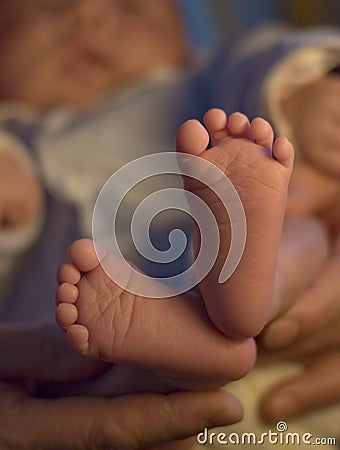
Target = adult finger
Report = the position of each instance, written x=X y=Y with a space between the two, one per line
x=317 y=386
x=132 y=422
x=325 y=341
x=318 y=306
x=41 y=353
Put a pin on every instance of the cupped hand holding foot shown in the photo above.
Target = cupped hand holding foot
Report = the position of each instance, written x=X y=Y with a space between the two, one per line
x=309 y=333
x=316 y=386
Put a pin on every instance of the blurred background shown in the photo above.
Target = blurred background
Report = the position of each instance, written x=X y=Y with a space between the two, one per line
x=209 y=21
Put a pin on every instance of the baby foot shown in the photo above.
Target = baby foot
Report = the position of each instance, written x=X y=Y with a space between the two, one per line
x=170 y=335
x=260 y=171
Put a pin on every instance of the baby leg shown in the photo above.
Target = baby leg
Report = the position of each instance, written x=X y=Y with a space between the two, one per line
x=171 y=335
x=244 y=152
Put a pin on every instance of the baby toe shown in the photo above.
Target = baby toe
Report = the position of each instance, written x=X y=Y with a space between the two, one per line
x=239 y=125
x=66 y=315
x=262 y=132
x=283 y=151
x=192 y=138
x=83 y=255
x=66 y=293
x=78 y=338
x=68 y=273
x=216 y=122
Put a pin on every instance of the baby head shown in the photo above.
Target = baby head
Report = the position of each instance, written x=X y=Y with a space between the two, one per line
x=70 y=52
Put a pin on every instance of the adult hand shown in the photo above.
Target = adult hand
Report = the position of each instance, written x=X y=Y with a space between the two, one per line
x=318 y=384
x=133 y=422
x=308 y=332
x=32 y=357
x=316 y=308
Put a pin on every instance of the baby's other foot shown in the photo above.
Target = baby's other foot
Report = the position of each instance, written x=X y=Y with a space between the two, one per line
x=173 y=335
x=260 y=171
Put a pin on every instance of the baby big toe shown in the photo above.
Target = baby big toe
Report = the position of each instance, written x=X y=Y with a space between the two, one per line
x=83 y=255
x=192 y=138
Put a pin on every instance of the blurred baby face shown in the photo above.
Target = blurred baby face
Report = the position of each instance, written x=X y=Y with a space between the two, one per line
x=70 y=52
